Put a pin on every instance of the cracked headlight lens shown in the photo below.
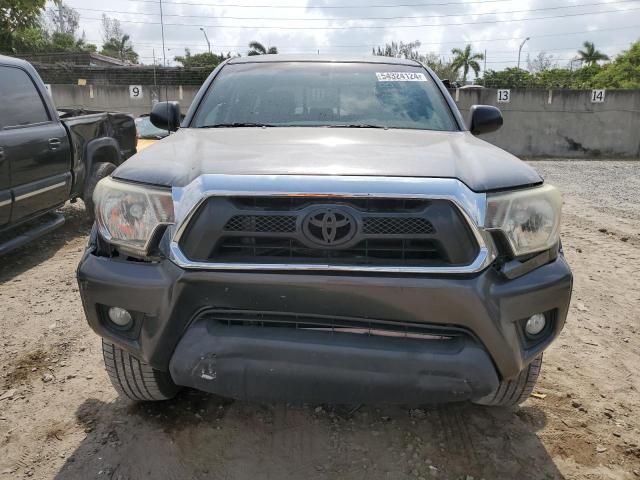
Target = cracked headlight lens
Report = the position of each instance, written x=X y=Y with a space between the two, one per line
x=530 y=218
x=128 y=214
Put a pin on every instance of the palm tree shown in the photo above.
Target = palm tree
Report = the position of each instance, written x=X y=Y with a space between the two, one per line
x=590 y=55
x=120 y=48
x=258 y=49
x=466 y=60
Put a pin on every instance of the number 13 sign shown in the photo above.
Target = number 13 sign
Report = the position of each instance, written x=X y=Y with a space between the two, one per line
x=504 y=96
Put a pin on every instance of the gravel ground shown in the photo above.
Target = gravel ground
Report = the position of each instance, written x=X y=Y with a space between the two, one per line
x=60 y=418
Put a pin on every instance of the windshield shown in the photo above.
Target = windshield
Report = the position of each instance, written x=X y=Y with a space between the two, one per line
x=146 y=129
x=324 y=94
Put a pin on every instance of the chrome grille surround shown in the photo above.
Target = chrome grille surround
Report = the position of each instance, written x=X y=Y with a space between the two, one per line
x=471 y=204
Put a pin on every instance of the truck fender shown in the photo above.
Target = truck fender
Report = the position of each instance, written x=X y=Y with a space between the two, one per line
x=101 y=150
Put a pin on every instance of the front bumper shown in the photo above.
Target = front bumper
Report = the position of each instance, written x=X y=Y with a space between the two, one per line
x=267 y=363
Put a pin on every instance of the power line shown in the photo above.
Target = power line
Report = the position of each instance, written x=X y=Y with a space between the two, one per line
x=358 y=18
x=360 y=27
x=457 y=42
x=313 y=48
x=322 y=7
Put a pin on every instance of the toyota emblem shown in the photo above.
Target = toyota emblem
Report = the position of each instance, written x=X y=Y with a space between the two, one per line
x=329 y=227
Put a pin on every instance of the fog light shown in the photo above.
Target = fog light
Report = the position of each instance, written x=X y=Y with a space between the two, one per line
x=120 y=316
x=535 y=324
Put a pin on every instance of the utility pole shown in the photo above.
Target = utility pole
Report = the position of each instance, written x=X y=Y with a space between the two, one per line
x=155 y=81
x=485 y=61
x=206 y=38
x=164 y=62
x=60 y=18
x=520 y=50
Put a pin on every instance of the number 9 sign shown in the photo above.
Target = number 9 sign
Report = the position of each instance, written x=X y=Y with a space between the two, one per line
x=135 y=91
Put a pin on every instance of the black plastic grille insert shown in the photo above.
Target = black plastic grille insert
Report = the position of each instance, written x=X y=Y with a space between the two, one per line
x=397 y=226
x=276 y=230
x=261 y=223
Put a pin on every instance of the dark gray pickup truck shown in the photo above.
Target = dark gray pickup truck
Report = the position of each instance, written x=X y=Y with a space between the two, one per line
x=326 y=230
x=48 y=156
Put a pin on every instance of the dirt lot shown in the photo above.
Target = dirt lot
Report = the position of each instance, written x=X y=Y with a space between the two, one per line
x=60 y=418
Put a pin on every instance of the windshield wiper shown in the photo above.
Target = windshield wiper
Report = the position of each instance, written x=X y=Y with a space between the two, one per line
x=358 y=125
x=237 y=124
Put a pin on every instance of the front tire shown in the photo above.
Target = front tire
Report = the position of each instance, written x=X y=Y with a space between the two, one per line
x=135 y=379
x=514 y=392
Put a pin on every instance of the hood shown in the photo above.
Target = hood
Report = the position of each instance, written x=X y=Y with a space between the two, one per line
x=180 y=158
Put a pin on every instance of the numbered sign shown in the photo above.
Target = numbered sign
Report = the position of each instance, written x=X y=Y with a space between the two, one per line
x=504 y=96
x=597 y=96
x=135 y=91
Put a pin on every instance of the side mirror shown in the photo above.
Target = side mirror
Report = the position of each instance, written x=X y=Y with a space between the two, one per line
x=166 y=116
x=485 y=119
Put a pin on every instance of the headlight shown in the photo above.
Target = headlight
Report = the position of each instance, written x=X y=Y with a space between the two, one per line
x=127 y=214
x=529 y=218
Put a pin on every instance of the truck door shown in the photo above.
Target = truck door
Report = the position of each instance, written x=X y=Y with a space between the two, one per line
x=5 y=189
x=34 y=145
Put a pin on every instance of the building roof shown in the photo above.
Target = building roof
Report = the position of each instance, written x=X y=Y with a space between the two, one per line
x=323 y=58
x=76 y=58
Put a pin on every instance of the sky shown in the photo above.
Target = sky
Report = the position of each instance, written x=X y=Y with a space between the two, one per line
x=557 y=27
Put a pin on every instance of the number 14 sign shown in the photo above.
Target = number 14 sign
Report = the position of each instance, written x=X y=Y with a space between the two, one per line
x=597 y=96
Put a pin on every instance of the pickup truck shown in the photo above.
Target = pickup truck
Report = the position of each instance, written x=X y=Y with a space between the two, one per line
x=49 y=156
x=326 y=229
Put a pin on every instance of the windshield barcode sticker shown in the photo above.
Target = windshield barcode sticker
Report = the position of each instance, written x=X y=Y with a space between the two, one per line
x=401 y=77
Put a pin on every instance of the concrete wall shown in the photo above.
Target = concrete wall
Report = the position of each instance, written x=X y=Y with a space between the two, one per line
x=537 y=123
x=562 y=123
x=118 y=97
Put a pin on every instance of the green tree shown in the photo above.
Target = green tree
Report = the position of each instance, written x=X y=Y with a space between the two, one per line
x=31 y=39
x=400 y=50
x=16 y=18
x=583 y=77
x=554 y=78
x=110 y=28
x=62 y=19
x=590 y=55
x=259 y=49
x=465 y=60
x=507 y=78
x=208 y=60
x=441 y=68
x=67 y=42
x=541 y=62
x=120 y=48
x=51 y=34
x=623 y=72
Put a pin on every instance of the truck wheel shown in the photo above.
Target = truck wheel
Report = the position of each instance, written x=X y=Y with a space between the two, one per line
x=516 y=391
x=134 y=379
x=99 y=171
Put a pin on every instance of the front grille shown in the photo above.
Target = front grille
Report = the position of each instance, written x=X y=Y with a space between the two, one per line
x=261 y=223
x=329 y=230
x=397 y=226
x=367 y=252
x=372 y=205
x=334 y=324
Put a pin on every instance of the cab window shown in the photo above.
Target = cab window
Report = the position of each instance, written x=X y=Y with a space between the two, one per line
x=21 y=101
